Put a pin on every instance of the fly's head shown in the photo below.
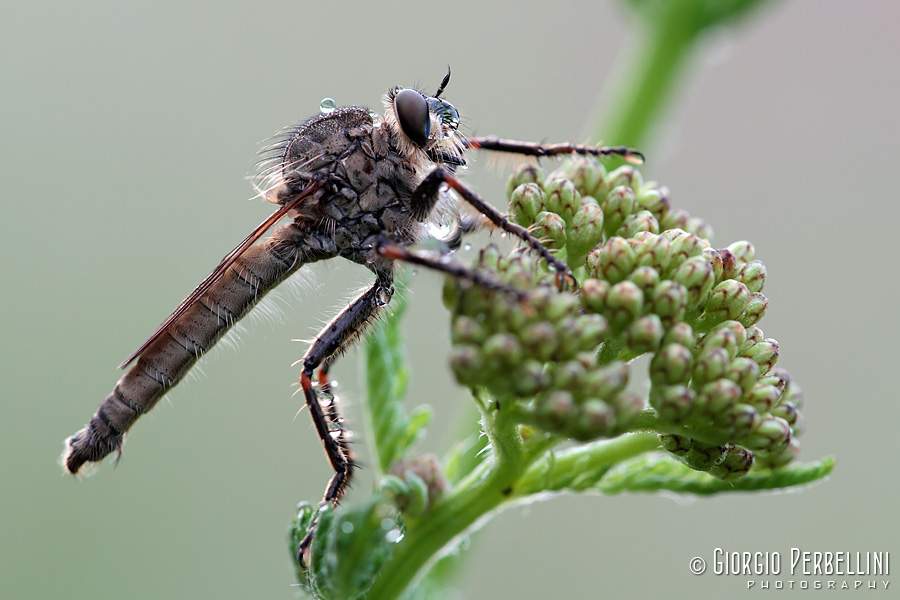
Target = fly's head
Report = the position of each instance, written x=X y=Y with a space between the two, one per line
x=424 y=128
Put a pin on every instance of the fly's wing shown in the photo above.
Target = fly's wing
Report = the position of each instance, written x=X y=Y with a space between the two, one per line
x=229 y=259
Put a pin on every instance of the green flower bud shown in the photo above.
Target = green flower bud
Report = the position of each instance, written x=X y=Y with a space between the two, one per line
x=502 y=350
x=793 y=394
x=585 y=230
x=561 y=304
x=729 y=335
x=529 y=378
x=624 y=303
x=676 y=444
x=540 y=340
x=675 y=218
x=467 y=330
x=715 y=260
x=743 y=372
x=674 y=403
x=771 y=436
x=637 y=222
x=606 y=381
x=654 y=198
x=644 y=334
x=680 y=333
x=568 y=375
x=591 y=331
x=718 y=397
x=697 y=276
x=711 y=364
x=526 y=202
x=743 y=251
x=763 y=397
x=684 y=245
x=561 y=197
x=776 y=377
x=587 y=174
x=596 y=419
x=616 y=260
x=753 y=275
x=764 y=353
x=703 y=457
x=736 y=464
x=754 y=336
x=625 y=175
x=466 y=363
x=525 y=173
x=421 y=470
x=556 y=409
x=727 y=302
x=743 y=420
x=672 y=364
x=619 y=204
x=729 y=263
x=645 y=278
x=787 y=411
x=550 y=229
x=651 y=250
x=783 y=458
x=490 y=258
x=699 y=227
x=668 y=300
x=756 y=308
x=593 y=294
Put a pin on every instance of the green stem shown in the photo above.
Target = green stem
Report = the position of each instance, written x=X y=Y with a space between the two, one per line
x=652 y=74
x=484 y=490
x=573 y=468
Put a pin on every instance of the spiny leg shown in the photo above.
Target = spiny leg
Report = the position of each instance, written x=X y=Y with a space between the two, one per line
x=425 y=196
x=336 y=337
x=401 y=253
x=537 y=149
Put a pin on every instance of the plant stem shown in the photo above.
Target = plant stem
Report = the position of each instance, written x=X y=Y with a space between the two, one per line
x=652 y=75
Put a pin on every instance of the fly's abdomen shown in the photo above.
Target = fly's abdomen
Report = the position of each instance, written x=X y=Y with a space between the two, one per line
x=178 y=347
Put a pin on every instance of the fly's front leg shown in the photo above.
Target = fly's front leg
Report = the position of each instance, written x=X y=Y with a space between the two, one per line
x=426 y=195
x=536 y=149
x=343 y=330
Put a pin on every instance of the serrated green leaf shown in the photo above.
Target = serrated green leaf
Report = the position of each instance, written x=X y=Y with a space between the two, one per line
x=657 y=472
x=386 y=376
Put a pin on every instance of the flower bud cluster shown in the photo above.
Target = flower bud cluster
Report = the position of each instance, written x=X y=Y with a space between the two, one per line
x=650 y=283
x=538 y=351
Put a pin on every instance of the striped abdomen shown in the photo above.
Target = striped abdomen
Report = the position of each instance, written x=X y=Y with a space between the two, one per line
x=175 y=350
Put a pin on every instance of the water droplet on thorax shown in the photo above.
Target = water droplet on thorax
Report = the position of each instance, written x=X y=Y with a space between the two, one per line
x=467 y=246
x=327 y=105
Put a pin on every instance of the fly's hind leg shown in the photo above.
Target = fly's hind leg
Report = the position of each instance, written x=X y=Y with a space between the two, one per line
x=342 y=331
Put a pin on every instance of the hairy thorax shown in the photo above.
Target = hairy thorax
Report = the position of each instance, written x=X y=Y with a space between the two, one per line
x=369 y=183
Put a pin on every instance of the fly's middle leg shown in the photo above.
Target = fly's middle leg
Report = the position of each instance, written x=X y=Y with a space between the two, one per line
x=345 y=328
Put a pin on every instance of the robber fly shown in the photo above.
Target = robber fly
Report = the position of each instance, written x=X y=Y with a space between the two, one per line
x=354 y=185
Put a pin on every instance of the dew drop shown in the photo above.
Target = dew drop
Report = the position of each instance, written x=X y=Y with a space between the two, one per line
x=347 y=527
x=414 y=272
x=467 y=246
x=327 y=105
x=393 y=536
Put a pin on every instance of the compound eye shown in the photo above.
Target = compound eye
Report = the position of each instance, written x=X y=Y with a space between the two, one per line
x=412 y=114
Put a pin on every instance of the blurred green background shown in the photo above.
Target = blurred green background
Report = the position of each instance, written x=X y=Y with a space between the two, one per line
x=126 y=132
